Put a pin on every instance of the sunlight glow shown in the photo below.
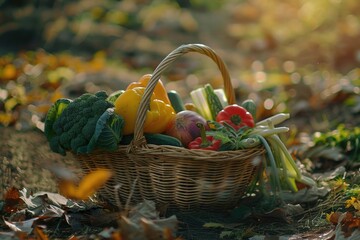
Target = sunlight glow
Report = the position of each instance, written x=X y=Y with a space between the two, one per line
x=257 y=66
x=289 y=66
x=295 y=77
x=268 y=103
x=260 y=77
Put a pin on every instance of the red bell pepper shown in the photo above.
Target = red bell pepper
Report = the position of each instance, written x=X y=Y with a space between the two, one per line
x=235 y=116
x=204 y=142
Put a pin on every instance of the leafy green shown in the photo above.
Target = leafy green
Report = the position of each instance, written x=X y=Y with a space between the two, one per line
x=108 y=132
x=347 y=139
x=230 y=138
x=53 y=114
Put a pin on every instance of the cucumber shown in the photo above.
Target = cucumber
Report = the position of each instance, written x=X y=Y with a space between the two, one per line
x=162 y=139
x=176 y=101
x=154 y=138
x=213 y=101
x=250 y=106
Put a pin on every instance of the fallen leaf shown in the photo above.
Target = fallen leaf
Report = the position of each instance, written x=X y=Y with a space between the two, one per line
x=130 y=230
x=22 y=226
x=40 y=235
x=12 y=200
x=325 y=152
x=9 y=72
x=88 y=185
x=144 y=209
x=7 y=118
x=306 y=195
x=330 y=175
x=347 y=226
x=143 y=223
x=151 y=230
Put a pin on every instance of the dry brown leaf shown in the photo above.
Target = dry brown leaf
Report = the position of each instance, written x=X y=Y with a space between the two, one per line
x=12 y=200
x=39 y=233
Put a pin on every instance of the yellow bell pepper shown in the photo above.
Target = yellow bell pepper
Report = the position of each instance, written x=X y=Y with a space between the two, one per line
x=157 y=118
x=160 y=91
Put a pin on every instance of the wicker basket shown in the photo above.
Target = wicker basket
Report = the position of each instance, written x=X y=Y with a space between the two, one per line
x=175 y=176
x=185 y=178
x=122 y=186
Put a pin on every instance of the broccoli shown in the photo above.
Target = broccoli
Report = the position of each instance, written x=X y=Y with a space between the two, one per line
x=89 y=128
x=77 y=127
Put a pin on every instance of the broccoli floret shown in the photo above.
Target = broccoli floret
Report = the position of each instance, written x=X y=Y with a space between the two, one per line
x=101 y=94
x=89 y=128
x=100 y=106
x=65 y=140
x=78 y=142
x=87 y=111
x=57 y=127
x=76 y=125
x=55 y=146
x=84 y=97
x=66 y=127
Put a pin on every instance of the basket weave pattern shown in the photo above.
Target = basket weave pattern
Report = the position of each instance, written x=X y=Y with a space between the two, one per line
x=192 y=179
x=123 y=178
x=179 y=177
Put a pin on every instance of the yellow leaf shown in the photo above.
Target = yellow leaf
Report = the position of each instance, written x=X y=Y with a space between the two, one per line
x=9 y=72
x=92 y=182
x=353 y=202
x=328 y=216
x=10 y=104
x=67 y=189
x=87 y=186
x=6 y=118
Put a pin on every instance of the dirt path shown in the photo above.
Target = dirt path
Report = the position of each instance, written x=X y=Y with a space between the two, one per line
x=23 y=160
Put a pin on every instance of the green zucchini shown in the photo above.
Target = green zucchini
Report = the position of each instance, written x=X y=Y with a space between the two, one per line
x=250 y=106
x=213 y=101
x=162 y=139
x=176 y=101
x=154 y=138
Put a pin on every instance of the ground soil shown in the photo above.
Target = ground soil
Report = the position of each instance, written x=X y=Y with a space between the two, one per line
x=24 y=157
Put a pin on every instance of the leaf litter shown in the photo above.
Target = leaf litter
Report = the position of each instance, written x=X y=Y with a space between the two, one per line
x=51 y=213
x=302 y=216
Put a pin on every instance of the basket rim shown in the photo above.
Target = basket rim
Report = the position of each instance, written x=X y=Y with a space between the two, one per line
x=179 y=153
x=185 y=154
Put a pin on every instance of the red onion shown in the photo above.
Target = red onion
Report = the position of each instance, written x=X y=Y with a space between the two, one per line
x=183 y=126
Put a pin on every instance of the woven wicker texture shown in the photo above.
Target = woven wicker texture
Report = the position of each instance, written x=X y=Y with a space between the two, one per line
x=184 y=178
x=191 y=179
x=118 y=188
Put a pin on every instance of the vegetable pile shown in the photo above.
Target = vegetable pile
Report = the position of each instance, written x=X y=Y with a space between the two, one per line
x=208 y=123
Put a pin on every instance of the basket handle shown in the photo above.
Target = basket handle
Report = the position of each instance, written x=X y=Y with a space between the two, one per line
x=139 y=138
